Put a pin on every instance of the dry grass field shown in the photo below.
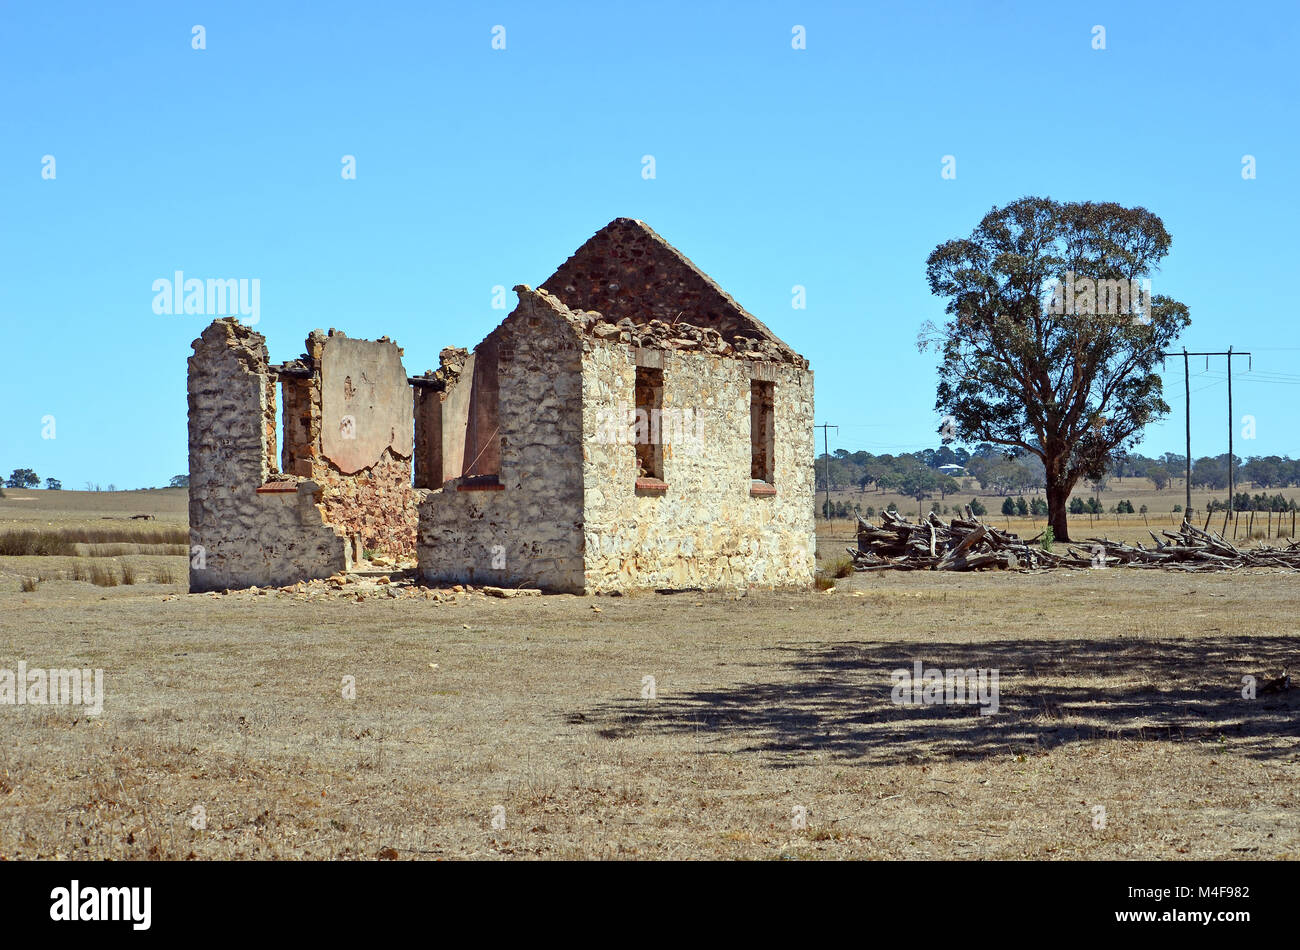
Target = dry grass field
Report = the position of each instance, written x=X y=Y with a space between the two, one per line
x=1119 y=689
x=93 y=537
x=1126 y=527
x=23 y=508
x=1244 y=529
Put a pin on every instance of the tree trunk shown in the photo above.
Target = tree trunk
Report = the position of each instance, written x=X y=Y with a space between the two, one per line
x=1058 y=497
x=1058 y=492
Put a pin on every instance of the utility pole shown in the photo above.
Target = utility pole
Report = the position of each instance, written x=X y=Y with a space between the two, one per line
x=1230 y=456
x=1187 y=393
x=1187 y=390
x=826 y=466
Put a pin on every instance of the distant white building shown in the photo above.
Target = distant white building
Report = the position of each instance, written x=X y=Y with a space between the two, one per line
x=956 y=471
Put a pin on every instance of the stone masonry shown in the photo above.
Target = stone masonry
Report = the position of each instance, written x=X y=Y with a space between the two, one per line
x=341 y=484
x=242 y=536
x=523 y=527
x=357 y=419
x=628 y=426
x=572 y=507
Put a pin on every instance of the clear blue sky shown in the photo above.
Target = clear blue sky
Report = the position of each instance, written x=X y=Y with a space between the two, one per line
x=478 y=167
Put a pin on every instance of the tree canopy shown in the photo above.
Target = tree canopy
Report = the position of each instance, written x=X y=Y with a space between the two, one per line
x=23 y=478
x=1052 y=344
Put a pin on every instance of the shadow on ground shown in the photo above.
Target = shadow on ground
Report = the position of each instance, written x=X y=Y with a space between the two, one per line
x=837 y=700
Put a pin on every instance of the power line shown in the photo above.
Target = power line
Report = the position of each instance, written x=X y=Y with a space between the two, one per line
x=1187 y=395
x=1197 y=390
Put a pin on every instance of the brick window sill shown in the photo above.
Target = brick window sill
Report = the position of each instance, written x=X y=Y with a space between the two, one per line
x=650 y=486
x=279 y=487
x=761 y=490
x=480 y=486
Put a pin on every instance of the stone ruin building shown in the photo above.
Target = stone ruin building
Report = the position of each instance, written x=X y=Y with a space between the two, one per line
x=628 y=426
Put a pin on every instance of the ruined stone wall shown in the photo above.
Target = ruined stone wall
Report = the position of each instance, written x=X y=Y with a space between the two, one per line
x=519 y=483
x=706 y=528
x=247 y=537
x=526 y=530
x=434 y=421
x=568 y=513
x=428 y=437
x=301 y=420
x=374 y=502
x=268 y=421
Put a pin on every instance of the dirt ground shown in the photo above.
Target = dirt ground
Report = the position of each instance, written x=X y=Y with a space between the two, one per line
x=1119 y=690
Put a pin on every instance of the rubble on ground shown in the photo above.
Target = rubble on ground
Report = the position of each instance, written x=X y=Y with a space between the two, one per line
x=360 y=587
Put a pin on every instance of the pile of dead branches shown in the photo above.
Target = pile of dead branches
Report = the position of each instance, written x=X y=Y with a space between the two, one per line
x=967 y=544
x=1191 y=549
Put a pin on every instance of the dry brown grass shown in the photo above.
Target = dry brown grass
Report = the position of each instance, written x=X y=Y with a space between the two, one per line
x=1118 y=688
x=81 y=540
x=104 y=575
x=169 y=570
x=35 y=543
x=840 y=566
x=57 y=536
x=124 y=550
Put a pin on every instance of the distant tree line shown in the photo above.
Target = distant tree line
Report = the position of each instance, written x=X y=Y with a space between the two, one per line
x=1093 y=506
x=845 y=509
x=1018 y=506
x=1243 y=501
x=27 y=478
x=916 y=474
x=1211 y=471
